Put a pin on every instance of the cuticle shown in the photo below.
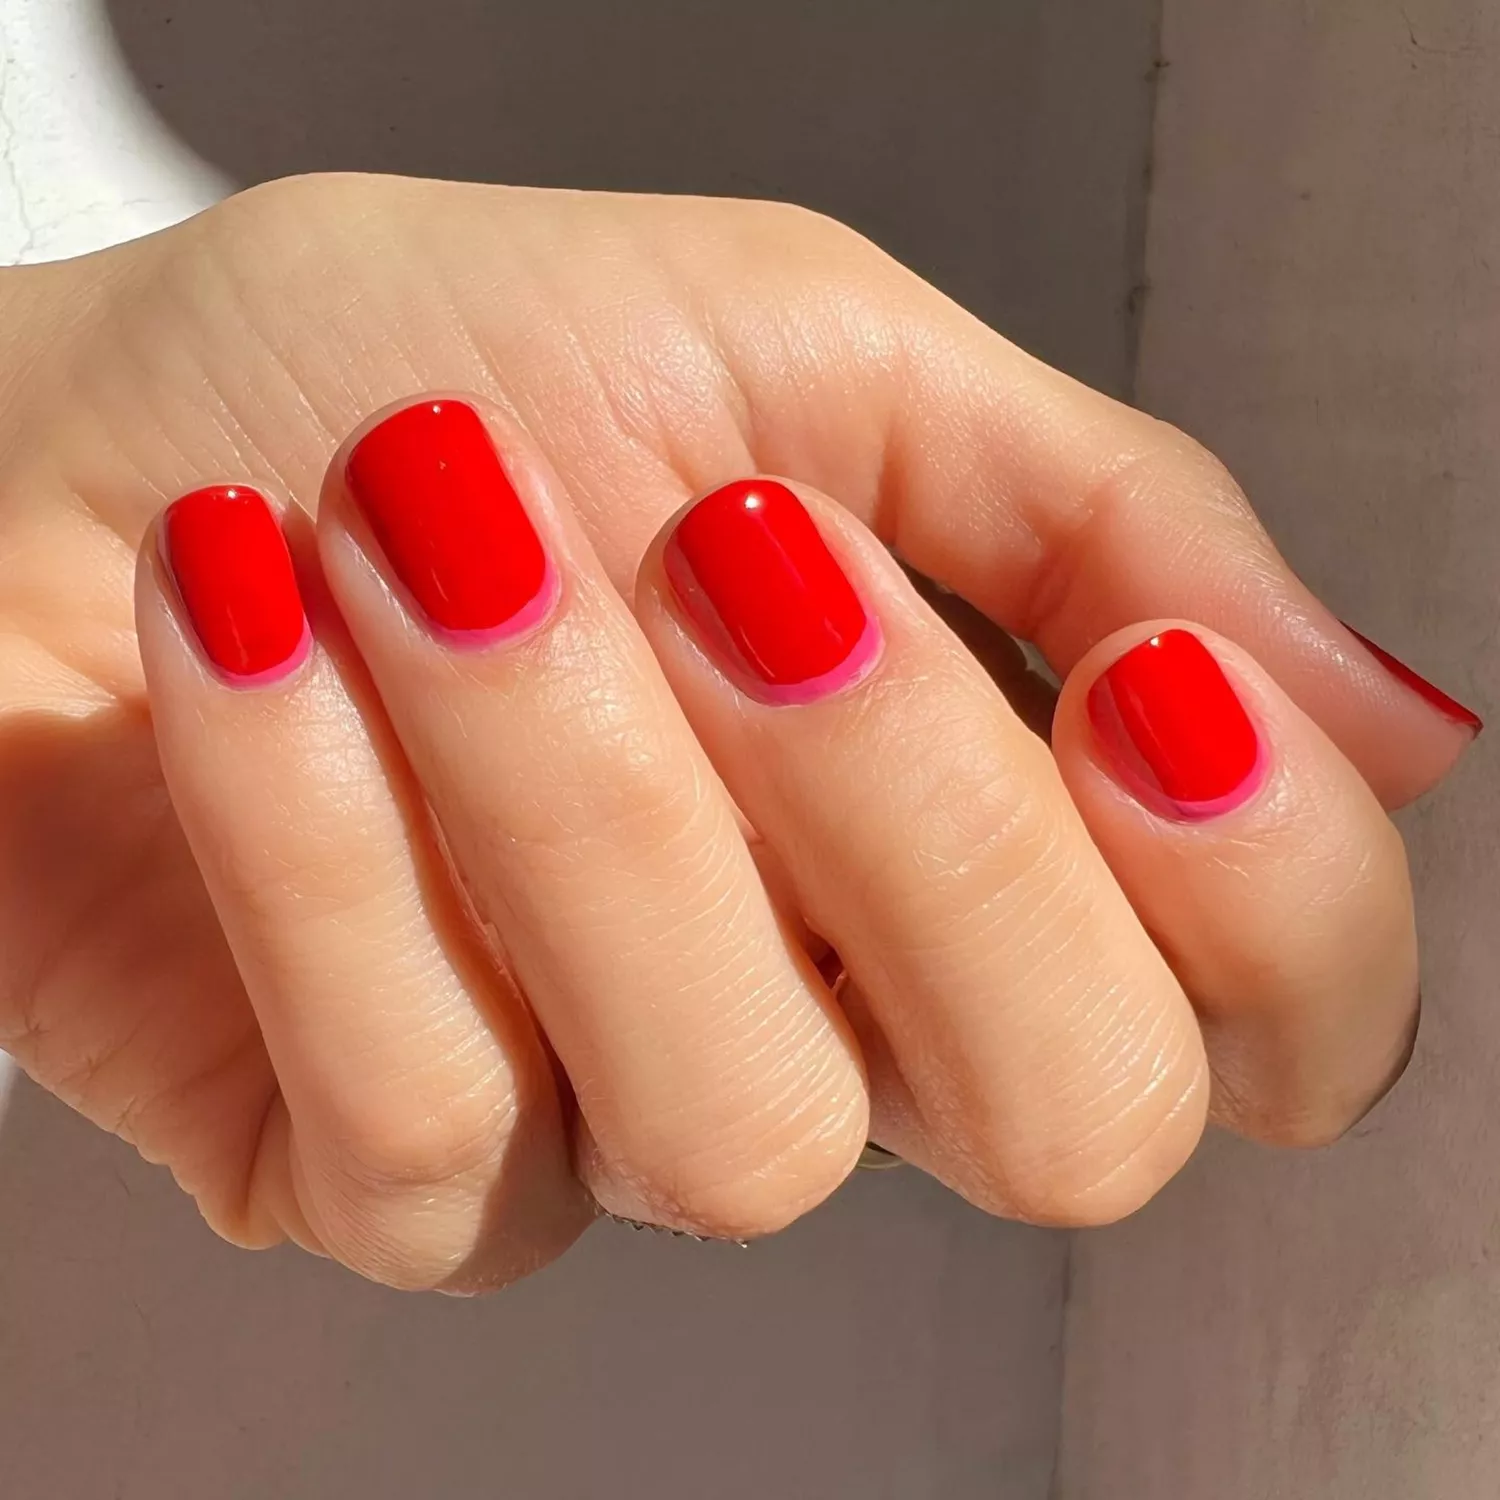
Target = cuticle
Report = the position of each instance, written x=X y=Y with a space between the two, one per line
x=542 y=610
x=273 y=677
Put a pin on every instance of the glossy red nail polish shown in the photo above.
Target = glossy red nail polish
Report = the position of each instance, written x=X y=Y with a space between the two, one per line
x=1449 y=707
x=1175 y=730
x=753 y=574
x=229 y=560
x=436 y=495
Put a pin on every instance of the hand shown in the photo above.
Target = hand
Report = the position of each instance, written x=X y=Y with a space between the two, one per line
x=355 y=1067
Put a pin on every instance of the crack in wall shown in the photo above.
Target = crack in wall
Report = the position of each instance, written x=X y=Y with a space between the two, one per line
x=10 y=138
x=1464 y=50
x=1138 y=244
x=1138 y=250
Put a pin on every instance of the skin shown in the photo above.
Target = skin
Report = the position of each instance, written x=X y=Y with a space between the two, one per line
x=229 y=935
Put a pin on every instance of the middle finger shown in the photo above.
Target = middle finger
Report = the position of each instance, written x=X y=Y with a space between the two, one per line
x=719 y=1089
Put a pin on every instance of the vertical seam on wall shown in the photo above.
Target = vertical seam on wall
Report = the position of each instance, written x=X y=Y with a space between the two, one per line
x=1065 y=1296
x=1137 y=252
x=1138 y=215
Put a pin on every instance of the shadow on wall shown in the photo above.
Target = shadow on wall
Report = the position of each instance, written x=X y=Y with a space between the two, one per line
x=140 y=1357
x=998 y=148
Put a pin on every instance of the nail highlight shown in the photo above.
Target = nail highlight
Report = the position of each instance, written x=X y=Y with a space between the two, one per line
x=1174 y=730
x=1450 y=708
x=229 y=560
x=767 y=597
x=448 y=519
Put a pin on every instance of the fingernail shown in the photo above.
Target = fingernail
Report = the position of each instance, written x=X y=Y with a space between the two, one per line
x=228 y=558
x=436 y=496
x=755 y=578
x=1450 y=708
x=1175 y=731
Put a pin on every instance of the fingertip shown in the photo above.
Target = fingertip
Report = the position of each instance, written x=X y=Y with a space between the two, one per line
x=1285 y=906
x=217 y=563
x=1189 y=727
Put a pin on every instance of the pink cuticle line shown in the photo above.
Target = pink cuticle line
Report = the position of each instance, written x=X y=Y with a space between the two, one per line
x=273 y=675
x=1202 y=812
x=855 y=667
x=523 y=623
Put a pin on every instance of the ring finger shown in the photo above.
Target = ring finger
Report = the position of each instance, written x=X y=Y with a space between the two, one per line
x=1044 y=1059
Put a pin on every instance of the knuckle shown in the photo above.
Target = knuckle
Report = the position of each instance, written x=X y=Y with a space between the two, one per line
x=311 y=879
x=748 y=1205
x=279 y=250
x=753 y=1189
x=1285 y=1118
x=1356 y=884
x=466 y=1197
x=388 y=1151
x=297 y=208
x=645 y=804
x=1164 y=475
x=1318 y=1116
x=797 y=222
x=1290 y=1071
x=998 y=817
x=618 y=779
x=843 y=278
x=1092 y=1176
x=1085 y=1196
x=401 y=1197
x=1168 y=462
x=984 y=835
x=392 y=1250
x=1084 y=1200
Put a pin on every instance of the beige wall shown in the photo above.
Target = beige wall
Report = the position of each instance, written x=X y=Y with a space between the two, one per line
x=1325 y=310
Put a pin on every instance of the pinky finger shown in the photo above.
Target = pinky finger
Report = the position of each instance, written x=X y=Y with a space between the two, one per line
x=1261 y=863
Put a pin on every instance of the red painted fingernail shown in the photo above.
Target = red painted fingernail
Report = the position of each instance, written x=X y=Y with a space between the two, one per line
x=436 y=495
x=234 y=575
x=1175 y=730
x=1449 y=707
x=754 y=575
